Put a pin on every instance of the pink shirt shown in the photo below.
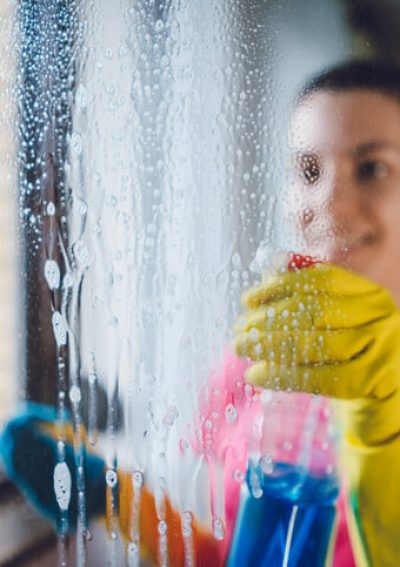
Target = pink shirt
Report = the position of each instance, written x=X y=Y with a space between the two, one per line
x=237 y=419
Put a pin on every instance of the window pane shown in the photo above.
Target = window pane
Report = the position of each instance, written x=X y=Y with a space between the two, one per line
x=166 y=158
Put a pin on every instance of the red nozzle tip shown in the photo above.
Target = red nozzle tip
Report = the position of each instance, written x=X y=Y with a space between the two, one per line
x=298 y=261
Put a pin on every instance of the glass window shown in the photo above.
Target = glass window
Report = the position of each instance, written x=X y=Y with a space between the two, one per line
x=202 y=268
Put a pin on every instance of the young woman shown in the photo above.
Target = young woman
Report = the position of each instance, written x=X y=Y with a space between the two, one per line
x=341 y=317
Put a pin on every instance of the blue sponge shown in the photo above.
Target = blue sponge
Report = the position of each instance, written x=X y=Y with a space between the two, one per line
x=30 y=455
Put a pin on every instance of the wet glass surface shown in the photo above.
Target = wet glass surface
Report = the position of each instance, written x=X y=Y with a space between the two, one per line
x=148 y=158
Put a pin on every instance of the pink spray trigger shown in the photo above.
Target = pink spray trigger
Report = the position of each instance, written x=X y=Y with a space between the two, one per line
x=298 y=262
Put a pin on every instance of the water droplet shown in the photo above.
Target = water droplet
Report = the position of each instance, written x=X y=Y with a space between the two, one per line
x=62 y=485
x=80 y=206
x=133 y=555
x=238 y=475
x=254 y=334
x=267 y=464
x=75 y=394
x=111 y=478
x=76 y=143
x=258 y=349
x=137 y=479
x=92 y=378
x=236 y=260
x=255 y=483
x=82 y=254
x=51 y=209
x=162 y=527
x=186 y=524
x=59 y=328
x=52 y=274
x=249 y=391
x=171 y=415
x=122 y=52
x=97 y=228
x=112 y=201
x=133 y=549
x=68 y=280
x=230 y=413
x=81 y=96
x=218 y=529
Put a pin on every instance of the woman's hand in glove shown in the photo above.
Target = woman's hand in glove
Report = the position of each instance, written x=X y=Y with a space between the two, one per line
x=325 y=330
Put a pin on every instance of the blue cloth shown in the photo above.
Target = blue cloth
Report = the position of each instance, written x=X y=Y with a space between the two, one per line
x=29 y=455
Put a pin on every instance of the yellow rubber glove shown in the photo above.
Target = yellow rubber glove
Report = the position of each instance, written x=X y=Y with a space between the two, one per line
x=328 y=331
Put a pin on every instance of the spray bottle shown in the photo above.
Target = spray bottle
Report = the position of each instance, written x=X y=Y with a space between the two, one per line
x=287 y=509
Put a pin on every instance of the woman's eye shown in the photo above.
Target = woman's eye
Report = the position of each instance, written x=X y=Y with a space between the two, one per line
x=371 y=170
x=309 y=169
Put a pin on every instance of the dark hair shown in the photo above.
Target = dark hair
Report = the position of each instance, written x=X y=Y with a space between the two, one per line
x=376 y=75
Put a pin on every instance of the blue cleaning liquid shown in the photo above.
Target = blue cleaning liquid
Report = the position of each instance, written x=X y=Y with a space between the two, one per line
x=289 y=523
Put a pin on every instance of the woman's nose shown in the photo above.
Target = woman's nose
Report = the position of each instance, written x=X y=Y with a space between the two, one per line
x=336 y=209
x=343 y=202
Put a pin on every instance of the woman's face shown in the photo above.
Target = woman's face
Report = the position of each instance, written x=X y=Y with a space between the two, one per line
x=346 y=190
